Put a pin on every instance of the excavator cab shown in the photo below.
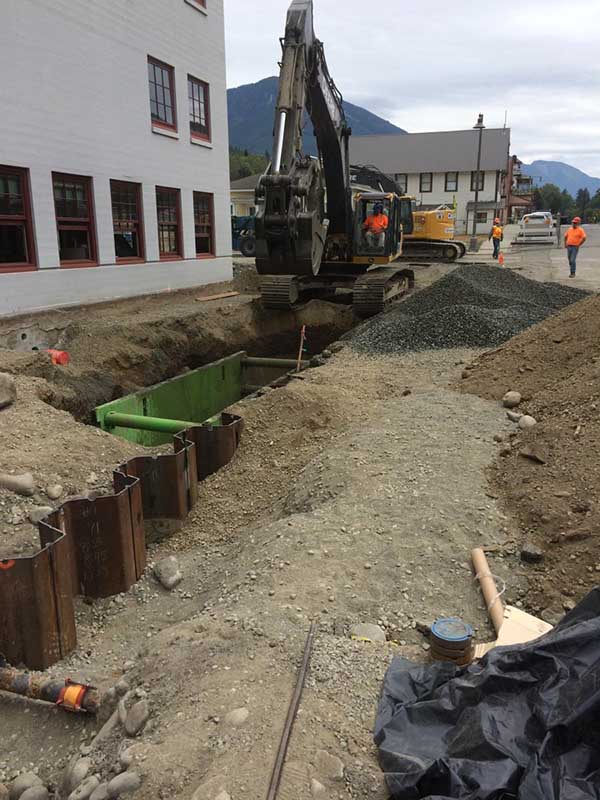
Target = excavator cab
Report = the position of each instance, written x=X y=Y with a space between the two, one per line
x=374 y=242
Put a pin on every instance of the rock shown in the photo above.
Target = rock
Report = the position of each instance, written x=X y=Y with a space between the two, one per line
x=511 y=399
x=85 y=790
x=327 y=353
x=210 y=789
x=35 y=793
x=136 y=718
x=75 y=774
x=126 y=758
x=317 y=790
x=237 y=717
x=533 y=455
x=106 y=731
x=514 y=416
x=423 y=627
x=25 y=781
x=92 y=478
x=328 y=766
x=126 y=783
x=365 y=630
x=531 y=554
x=101 y=793
x=318 y=361
x=552 y=615
x=19 y=484
x=55 y=491
x=167 y=573
x=8 y=390
x=407 y=393
x=527 y=422
x=500 y=437
x=505 y=450
x=38 y=513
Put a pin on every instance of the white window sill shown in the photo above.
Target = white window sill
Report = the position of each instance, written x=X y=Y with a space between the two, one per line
x=165 y=132
x=201 y=143
x=198 y=6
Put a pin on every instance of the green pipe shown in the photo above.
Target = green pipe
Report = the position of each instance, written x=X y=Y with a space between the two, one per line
x=283 y=363
x=116 y=420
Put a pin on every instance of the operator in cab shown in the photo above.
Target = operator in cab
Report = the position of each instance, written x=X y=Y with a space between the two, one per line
x=375 y=226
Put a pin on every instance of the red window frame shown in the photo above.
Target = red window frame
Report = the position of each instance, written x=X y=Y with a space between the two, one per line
x=162 y=225
x=77 y=223
x=137 y=224
x=155 y=118
x=200 y=224
x=195 y=83
x=23 y=220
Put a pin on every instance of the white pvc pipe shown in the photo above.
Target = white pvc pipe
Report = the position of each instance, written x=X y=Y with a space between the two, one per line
x=279 y=146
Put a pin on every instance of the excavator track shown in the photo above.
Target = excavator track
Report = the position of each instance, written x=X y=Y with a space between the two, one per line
x=445 y=251
x=377 y=290
x=280 y=292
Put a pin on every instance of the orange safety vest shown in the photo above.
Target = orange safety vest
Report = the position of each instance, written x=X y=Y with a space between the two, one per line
x=497 y=232
x=575 y=237
x=376 y=224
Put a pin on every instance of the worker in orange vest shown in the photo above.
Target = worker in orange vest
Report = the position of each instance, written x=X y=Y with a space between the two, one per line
x=375 y=226
x=496 y=235
x=574 y=238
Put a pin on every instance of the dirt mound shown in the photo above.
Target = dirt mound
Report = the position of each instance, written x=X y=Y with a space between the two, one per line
x=556 y=368
x=474 y=306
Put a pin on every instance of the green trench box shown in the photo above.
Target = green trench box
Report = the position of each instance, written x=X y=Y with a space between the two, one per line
x=197 y=397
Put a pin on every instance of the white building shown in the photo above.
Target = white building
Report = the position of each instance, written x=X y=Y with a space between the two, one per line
x=441 y=168
x=114 y=175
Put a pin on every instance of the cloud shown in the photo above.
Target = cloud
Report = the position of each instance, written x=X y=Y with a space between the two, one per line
x=437 y=65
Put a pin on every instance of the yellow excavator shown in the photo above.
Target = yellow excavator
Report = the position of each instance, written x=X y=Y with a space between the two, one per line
x=432 y=237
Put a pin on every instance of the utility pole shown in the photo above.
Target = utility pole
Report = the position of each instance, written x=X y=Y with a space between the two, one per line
x=480 y=127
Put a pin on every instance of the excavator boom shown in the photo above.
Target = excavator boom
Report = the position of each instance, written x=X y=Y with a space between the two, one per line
x=292 y=222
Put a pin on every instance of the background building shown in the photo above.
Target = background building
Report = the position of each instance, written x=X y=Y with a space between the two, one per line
x=441 y=168
x=243 y=201
x=113 y=150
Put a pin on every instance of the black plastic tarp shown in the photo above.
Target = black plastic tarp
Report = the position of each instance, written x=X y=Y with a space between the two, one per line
x=524 y=722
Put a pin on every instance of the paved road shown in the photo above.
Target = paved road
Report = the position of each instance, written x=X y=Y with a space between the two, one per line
x=550 y=263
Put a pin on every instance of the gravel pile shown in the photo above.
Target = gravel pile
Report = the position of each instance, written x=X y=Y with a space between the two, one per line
x=474 y=306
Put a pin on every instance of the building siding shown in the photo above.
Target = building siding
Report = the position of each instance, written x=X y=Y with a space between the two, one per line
x=74 y=99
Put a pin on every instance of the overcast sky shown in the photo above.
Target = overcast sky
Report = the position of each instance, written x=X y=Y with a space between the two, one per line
x=435 y=64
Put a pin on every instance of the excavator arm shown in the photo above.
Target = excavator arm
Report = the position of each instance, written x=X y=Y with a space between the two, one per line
x=292 y=223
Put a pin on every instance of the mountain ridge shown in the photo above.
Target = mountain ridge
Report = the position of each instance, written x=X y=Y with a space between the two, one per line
x=562 y=175
x=251 y=111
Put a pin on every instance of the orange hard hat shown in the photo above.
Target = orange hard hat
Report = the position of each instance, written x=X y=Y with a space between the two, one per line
x=577 y=220
x=497 y=221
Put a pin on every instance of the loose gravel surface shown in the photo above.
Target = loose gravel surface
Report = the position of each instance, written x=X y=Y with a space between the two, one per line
x=473 y=306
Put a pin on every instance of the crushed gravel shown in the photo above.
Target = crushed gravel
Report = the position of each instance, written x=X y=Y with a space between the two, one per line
x=473 y=306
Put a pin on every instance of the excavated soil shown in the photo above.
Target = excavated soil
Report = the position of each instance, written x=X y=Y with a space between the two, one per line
x=556 y=368
x=116 y=349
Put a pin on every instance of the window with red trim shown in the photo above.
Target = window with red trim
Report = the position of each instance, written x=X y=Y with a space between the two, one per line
x=168 y=210
x=74 y=218
x=16 y=231
x=128 y=227
x=204 y=224
x=161 y=82
x=199 y=101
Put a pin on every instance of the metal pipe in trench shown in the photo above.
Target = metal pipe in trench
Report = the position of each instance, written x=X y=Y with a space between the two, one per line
x=114 y=419
x=283 y=363
x=71 y=696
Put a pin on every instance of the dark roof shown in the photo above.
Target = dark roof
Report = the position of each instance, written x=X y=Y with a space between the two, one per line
x=251 y=182
x=441 y=151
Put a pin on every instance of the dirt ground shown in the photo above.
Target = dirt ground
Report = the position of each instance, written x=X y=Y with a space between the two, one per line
x=556 y=368
x=355 y=497
x=343 y=506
